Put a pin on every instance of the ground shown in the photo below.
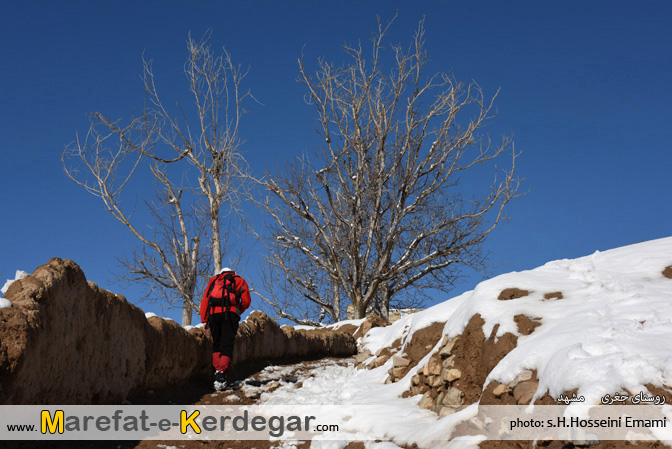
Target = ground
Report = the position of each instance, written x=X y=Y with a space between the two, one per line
x=200 y=392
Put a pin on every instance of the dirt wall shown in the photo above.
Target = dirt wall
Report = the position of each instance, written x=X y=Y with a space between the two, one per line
x=66 y=341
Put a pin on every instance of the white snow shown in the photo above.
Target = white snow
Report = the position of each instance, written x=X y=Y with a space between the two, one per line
x=334 y=326
x=367 y=406
x=4 y=302
x=19 y=275
x=611 y=331
x=149 y=315
x=198 y=326
x=355 y=323
x=404 y=328
x=275 y=372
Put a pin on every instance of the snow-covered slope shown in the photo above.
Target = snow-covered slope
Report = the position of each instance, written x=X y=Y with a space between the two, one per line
x=605 y=327
x=611 y=330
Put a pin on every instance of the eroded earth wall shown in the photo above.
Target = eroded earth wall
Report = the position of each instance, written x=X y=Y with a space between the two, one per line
x=66 y=341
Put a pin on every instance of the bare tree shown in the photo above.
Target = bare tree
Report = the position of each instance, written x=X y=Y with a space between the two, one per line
x=195 y=160
x=380 y=215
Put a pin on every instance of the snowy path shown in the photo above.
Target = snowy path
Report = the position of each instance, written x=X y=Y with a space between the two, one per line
x=365 y=408
x=358 y=400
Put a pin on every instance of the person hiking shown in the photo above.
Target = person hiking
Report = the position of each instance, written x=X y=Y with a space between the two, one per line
x=225 y=298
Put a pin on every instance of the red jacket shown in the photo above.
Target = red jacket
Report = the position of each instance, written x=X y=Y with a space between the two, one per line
x=245 y=299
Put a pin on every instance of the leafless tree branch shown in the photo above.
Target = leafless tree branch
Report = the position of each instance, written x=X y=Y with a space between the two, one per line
x=198 y=169
x=381 y=217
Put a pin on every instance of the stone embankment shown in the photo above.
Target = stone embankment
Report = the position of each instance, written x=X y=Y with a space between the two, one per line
x=455 y=374
x=67 y=341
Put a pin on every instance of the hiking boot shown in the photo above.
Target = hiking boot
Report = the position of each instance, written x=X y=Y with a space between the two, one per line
x=220 y=381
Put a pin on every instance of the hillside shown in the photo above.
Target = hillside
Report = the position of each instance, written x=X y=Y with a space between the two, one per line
x=586 y=328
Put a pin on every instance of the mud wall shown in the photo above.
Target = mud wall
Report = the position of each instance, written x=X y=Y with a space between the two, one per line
x=66 y=341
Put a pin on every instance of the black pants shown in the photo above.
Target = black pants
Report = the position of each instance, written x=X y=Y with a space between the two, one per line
x=223 y=327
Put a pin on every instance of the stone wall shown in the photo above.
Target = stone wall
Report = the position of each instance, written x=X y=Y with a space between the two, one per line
x=66 y=341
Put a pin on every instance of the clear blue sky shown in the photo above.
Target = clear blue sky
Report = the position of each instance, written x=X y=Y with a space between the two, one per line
x=586 y=89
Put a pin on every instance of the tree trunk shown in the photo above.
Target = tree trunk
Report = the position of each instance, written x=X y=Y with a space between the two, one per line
x=384 y=302
x=337 y=304
x=186 y=314
x=360 y=309
x=216 y=241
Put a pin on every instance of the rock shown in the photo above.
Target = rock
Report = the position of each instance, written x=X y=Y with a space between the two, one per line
x=420 y=389
x=400 y=362
x=522 y=377
x=362 y=356
x=524 y=391
x=380 y=352
x=368 y=324
x=378 y=361
x=500 y=390
x=437 y=382
x=448 y=347
x=448 y=363
x=451 y=375
x=453 y=397
x=439 y=401
x=364 y=328
x=398 y=373
x=434 y=366
x=389 y=380
x=427 y=401
x=252 y=393
x=415 y=380
x=477 y=423
x=445 y=411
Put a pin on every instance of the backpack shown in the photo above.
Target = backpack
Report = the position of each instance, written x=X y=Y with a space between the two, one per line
x=223 y=293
